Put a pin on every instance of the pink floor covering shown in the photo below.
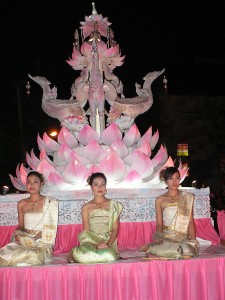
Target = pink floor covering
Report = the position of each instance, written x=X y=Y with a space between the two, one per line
x=132 y=277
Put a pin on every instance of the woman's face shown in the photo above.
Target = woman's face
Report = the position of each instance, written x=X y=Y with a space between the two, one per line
x=173 y=181
x=98 y=186
x=33 y=184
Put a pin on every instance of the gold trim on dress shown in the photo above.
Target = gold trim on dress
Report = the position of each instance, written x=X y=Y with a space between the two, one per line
x=29 y=231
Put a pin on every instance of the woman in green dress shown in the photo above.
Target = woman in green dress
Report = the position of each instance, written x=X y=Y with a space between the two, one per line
x=100 y=220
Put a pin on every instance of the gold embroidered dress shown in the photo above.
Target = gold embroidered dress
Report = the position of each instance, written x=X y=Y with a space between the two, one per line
x=30 y=251
x=174 y=242
x=101 y=224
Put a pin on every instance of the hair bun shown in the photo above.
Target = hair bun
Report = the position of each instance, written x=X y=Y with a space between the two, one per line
x=89 y=180
x=162 y=174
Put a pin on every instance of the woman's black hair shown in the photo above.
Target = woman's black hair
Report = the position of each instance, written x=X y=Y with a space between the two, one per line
x=95 y=175
x=37 y=174
x=167 y=173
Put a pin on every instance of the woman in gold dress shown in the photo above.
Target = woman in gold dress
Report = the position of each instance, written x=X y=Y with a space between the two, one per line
x=33 y=241
x=100 y=219
x=175 y=235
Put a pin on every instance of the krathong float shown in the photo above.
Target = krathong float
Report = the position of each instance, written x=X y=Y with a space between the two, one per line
x=92 y=138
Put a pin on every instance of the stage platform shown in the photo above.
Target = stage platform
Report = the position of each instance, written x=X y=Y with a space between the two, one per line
x=133 y=277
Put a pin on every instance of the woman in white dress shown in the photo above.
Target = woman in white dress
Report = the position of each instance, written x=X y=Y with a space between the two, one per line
x=175 y=235
x=33 y=241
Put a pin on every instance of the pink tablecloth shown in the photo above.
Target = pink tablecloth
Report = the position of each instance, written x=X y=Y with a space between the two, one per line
x=221 y=223
x=190 y=279
x=131 y=235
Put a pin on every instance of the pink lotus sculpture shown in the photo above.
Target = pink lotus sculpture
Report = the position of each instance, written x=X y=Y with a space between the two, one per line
x=125 y=160
x=94 y=139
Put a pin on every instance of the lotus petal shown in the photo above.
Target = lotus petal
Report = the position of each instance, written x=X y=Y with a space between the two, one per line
x=51 y=144
x=65 y=136
x=143 y=165
x=132 y=177
x=169 y=163
x=165 y=155
x=24 y=171
x=183 y=169
x=146 y=137
x=43 y=155
x=79 y=153
x=158 y=158
x=30 y=162
x=132 y=149
x=59 y=183
x=64 y=153
x=155 y=179
x=105 y=153
x=46 y=168
x=41 y=143
x=145 y=148
x=110 y=134
x=16 y=184
x=87 y=134
x=85 y=161
x=18 y=175
x=132 y=157
x=120 y=148
x=93 y=169
x=34 y=158
x=21 y=173
x=154 y=139
x=93 y=151
x=75 y=172
x=132 y=136
x=112 y=166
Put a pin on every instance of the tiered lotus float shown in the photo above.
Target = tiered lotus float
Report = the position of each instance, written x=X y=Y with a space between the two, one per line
x=86 y=142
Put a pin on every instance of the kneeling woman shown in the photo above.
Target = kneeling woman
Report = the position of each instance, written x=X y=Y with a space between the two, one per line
x=100 y=219
x=33 y=242
x=175 y=229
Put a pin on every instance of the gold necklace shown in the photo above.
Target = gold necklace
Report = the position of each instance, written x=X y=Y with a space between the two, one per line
x=99 y=204
x=34 y=204
x=173 y=198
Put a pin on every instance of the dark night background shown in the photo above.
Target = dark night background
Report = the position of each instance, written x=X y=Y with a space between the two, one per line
x=188 y=39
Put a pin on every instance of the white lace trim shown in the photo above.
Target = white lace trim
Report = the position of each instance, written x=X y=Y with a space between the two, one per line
x=139 y=205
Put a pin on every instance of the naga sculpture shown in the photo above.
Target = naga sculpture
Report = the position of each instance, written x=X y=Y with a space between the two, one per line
x=69 y=112
x=132 y=107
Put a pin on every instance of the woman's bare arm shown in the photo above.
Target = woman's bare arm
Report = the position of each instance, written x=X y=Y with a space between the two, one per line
x=159 y=215
x=114 y=233
x=84 y=215
x=20 y=214
x=191 y=227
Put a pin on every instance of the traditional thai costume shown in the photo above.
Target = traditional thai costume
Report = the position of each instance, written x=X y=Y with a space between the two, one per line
x=174 y=242
x=101 y=225
x=29 y=251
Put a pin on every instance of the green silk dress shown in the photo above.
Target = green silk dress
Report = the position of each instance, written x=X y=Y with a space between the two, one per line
x=101 y=224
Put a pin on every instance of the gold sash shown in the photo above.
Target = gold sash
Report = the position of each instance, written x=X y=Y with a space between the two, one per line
x=184 y=211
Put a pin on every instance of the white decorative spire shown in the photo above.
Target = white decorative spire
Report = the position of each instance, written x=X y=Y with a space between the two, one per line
x=94 y=11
